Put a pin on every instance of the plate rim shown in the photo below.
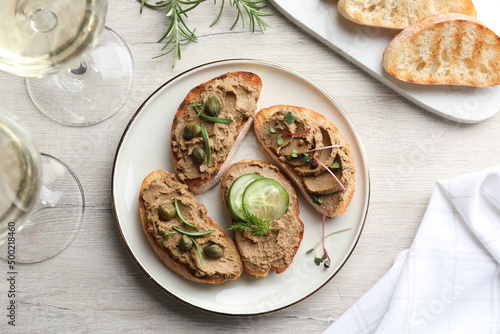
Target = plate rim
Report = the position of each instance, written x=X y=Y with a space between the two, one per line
x=246 y=61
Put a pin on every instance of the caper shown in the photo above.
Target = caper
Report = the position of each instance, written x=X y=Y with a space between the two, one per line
x=191 y=130
x=198 y=155
x=185 y=243
x=214 y=251
x=213 y=106
x=166 y=211
x=314 y=165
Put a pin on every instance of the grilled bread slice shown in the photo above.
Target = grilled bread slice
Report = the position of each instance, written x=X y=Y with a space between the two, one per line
x=446 y=49
x=297 y=139
x=398 y=14
x=194 y=262
x=276 y=248
x=239 y=95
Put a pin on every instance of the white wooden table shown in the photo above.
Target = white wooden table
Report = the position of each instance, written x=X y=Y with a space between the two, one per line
x=94 y=286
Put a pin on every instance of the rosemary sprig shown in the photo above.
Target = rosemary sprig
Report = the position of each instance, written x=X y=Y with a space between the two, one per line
x=198 y=107
x=206 y=140
x=254 y=10
x=168 y=235
x=179 y=34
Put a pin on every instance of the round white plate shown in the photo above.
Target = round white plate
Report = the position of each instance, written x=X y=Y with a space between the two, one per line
x=145 y=147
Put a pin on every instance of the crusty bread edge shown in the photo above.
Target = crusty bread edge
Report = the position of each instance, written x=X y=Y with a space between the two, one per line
x=341 y=7
x=348 y=195
x=415 y=29
x=174 y=265
x=283 y=178
x=199 y=186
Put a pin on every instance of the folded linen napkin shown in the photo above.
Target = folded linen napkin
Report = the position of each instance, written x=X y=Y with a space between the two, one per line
x=449 y=279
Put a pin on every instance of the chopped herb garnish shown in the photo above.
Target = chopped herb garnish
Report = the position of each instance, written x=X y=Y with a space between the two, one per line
x=206 y=141
x=335 y=165
x=317 y=200
x=180 y=215
x=289 y=118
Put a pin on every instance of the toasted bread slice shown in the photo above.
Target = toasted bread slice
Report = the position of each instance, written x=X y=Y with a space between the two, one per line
x=398 y=14
x=446 y=49
x=309 y=131
x=277 y=248
x=162 y=187
x=240 y=94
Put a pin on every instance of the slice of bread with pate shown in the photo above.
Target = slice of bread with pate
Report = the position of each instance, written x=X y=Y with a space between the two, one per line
x=447 y=49
x=277 y=247
x=225 y=107
x=312 y=152
x=199 y=250
x=398 y=14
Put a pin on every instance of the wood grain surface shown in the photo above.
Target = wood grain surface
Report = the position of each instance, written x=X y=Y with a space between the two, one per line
x=95 y=287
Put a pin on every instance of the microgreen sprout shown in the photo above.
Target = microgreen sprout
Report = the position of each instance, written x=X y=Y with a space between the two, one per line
x=292 y=155
x=322 y=148
x=272 y=130
x=334 y=176
x=325 y=256
x=289 y=118
x=294 y=133
x=335 y=165
x=317 y=200
x=279 y=139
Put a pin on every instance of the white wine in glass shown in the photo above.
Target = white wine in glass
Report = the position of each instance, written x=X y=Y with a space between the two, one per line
x=41 y=199
x=78 y=71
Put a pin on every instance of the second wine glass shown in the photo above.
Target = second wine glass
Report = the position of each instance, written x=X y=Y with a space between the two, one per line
x=78 y=71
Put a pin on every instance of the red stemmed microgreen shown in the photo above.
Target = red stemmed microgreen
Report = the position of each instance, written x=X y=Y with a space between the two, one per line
x=329 y=171
x=319 y=260
x=327 y=263
x=293 y=133
x=322 y=148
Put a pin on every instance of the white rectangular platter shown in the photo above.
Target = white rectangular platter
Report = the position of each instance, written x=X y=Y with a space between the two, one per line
x=364 y=46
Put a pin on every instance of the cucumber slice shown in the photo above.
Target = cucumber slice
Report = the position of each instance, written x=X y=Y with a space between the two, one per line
x=265 y=199
x=235 y=194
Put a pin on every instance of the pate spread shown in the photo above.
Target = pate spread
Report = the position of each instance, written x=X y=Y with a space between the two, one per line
x=165 y=191
x=305 y=134
x=277 y=247
x=239 y=103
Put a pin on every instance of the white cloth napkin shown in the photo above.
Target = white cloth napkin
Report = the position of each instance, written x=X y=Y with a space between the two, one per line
x=449 y=279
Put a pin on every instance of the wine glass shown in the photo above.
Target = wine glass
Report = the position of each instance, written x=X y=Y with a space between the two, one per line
x=78 y=71
x=41 y=199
